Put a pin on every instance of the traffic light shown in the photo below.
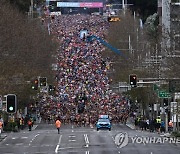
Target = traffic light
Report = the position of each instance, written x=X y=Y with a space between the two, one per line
x=11 y=104
x=35 y=84
x=51 y=88
x=43 y=81
x=166 y=101
x=133 y=80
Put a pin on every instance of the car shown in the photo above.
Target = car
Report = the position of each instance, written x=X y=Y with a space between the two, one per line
x=103 y=124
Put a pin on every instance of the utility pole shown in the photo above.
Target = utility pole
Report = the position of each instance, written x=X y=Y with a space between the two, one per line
x=123 y=5
x=177 y=115
x=32 y=4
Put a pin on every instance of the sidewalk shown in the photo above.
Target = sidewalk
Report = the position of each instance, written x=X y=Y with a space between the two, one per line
x=5 y=134
x=130 y=123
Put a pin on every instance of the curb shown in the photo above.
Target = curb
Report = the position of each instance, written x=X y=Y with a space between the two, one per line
x=2 y=137
x=34 y=127
x=130 y=126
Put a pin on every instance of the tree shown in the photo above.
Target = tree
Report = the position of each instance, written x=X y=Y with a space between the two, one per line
x=25 y=49
x=128 y=37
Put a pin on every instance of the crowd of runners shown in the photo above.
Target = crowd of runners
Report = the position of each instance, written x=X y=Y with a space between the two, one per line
x=83 y=87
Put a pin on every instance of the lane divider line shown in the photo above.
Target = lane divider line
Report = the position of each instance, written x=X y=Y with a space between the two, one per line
x=56 y=150
x=57 y=147
x=33 y=139
x=87 y=152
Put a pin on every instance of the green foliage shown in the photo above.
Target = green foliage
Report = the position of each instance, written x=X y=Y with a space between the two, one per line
x=11 y=126
x=151 y=25
x=25 y=47
x=118 y=37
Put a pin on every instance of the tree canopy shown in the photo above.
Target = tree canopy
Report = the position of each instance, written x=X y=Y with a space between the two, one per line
x=26 y=50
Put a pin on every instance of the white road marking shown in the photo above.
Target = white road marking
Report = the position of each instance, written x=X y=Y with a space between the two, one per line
x=87 y=152
x=24 y=137
x=70 y=148
x=19 y=144
x=46 y=145
x=72 y=140
x=33 y=139
x=72 y=136
x=151 y=152
x=56 y=150
x=34 y=127
x=57 y=147
x=72 y=128
x=86 y=140
x=36 y=135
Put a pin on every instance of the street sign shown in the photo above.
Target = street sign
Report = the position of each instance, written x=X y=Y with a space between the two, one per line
x=164 y=94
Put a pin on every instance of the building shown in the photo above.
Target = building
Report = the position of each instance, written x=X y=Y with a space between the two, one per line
x=169 y=20
x=175 y=26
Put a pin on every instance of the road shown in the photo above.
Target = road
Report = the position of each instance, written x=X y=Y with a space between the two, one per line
x=80 y=140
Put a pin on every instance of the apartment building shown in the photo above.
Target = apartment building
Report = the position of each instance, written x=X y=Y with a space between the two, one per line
x=169 y=20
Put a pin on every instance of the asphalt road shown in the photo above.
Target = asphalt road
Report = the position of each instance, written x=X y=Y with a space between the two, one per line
x=44 y=139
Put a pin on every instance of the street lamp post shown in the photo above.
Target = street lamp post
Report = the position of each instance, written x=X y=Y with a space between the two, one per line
x=32 y=3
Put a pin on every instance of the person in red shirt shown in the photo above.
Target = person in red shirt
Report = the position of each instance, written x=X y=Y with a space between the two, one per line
x=29 y=124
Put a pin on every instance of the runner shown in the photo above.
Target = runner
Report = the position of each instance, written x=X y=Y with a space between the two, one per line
x=58 y=125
